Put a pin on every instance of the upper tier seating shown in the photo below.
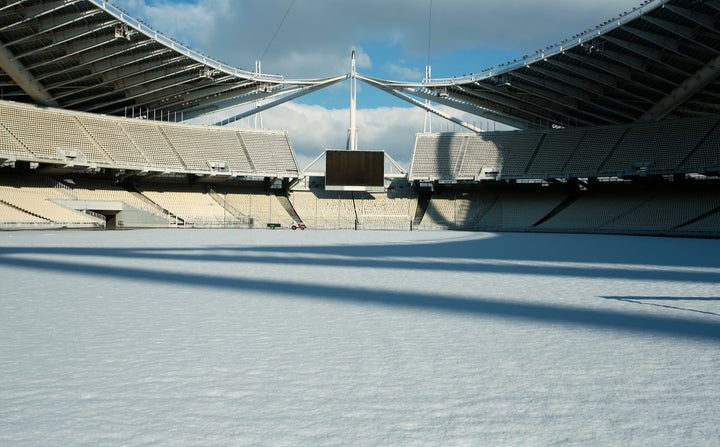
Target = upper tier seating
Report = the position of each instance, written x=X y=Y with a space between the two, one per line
x=63 y=137
x=666 y=147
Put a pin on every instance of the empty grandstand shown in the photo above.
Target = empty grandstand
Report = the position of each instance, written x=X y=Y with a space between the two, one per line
x=658 y=148
x=72 y=139
x=618 y=132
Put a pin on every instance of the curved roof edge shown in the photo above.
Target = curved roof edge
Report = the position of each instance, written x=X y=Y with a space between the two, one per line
x=193 y=54
x=572 y=42
x=659 y=61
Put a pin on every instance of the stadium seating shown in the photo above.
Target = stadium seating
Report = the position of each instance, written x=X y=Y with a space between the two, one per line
x=260 y=207
x=108 y=134
x=663 y=212
x=378 y=211
x=423 y=166
x=453 y=156
x=596 y=210
x=50 y=134
x=458 y=210
x=690 y=208
x=516 y=149
x=325 y=209
x=193 y=206
x=554 y=154
x=519 y=210
x=660 y=147
x=592 y=150
x=11 y=146
x=270 y=152
x=10 y=215
x=681 y=146
x=153 y=145
x=707 y=225
x=198 y=146
x=96 y=190
x=481 y=155
x=706 y=157
x=79 y=144
x=80 y=139
x=40 y=198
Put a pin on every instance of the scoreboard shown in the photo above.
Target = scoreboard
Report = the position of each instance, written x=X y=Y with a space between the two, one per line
x=354 y=170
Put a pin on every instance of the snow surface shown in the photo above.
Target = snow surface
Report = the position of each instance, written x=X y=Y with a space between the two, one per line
x=313 y=338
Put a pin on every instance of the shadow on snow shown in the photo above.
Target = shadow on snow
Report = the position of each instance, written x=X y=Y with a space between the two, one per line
x=473 y=306
x=524 y=255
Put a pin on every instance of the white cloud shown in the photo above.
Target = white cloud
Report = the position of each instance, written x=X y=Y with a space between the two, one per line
x=404 y=73
x=193 y=24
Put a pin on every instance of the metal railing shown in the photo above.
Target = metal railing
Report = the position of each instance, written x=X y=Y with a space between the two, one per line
x=221 y=199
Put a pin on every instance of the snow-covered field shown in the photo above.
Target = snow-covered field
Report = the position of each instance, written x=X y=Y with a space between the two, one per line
x=311 y=338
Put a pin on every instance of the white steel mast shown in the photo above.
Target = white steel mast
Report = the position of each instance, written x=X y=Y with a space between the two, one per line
x=352 y=131
x=427 y=125
x=258 y=116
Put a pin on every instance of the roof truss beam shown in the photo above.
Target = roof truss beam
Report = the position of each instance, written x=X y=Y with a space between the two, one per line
x=497 y=96
x=691 y=86
x=67 y=35
x=643 y=51
x=121 y=79
x=704 y=20
x=46 y=8
x=53 y=23
x=623 y=65
x=603 y=78
x=102 y=52
x=104 y=66
x=584 y=86
x=559 y=93
x=715 y=4
x=13 y=68
x=213 y=97
x=149 y=81
x=11 y=5
x=474 y=106
x=34 y=13
x=684 y=32
x=667 y=43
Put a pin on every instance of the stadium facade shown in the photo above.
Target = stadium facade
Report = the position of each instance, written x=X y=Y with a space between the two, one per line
x=618 y=132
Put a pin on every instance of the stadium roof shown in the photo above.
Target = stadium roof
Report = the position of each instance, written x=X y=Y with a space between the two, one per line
x=660 y=60
x=89 y=55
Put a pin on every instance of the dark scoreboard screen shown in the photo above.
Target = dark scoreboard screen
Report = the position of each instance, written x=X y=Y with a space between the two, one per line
x=354 y=169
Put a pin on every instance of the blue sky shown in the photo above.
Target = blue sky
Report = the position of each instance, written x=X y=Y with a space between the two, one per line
x=394 y=39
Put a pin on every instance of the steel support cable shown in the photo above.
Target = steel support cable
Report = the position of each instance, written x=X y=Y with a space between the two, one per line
x=429 y=31
x=277 y=30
